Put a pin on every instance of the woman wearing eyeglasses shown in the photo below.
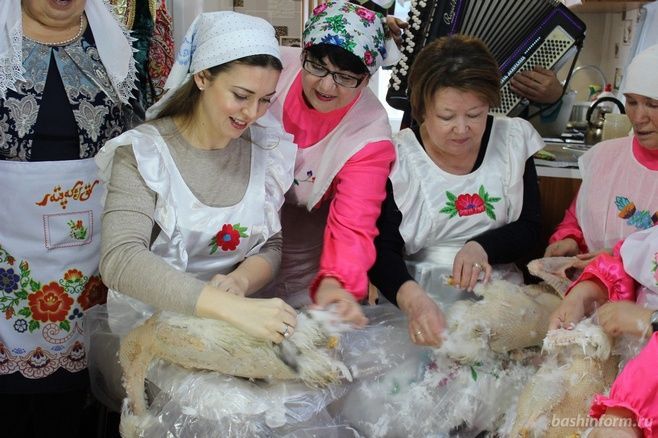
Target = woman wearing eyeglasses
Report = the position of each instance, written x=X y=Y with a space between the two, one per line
x=343 y=160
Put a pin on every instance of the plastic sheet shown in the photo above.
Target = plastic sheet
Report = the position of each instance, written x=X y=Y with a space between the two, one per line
x=187 y=403
x=399 y=389
x=420 y=392
x=205 y=404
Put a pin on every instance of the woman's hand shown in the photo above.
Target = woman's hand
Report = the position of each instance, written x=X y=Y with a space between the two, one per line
x=270 y=319
x=620 y=427
x=426 y=321
x=331 y=292
x=562 y=248
x=581 y=301
x=469 y=262
x=624 y=318
x=539 y=85
x=395 y=27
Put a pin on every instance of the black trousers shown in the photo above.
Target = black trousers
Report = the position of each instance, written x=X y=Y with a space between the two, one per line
x=44 y=415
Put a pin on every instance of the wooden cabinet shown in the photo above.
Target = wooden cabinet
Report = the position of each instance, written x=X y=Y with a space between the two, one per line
x=556 y=196
x=602 y=5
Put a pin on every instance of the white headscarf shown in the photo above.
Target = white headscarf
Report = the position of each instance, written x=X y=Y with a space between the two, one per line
x=215 y=38
x=112 y=41
x=639 y=79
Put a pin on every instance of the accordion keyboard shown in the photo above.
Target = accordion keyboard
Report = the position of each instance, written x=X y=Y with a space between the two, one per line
x=519 y=34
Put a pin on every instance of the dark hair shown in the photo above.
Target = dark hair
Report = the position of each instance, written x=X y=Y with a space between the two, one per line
x=455 y=61
x=338 y=56
x=184 y=101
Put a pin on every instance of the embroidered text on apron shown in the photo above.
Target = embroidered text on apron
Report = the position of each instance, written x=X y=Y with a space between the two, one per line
x=49 y=254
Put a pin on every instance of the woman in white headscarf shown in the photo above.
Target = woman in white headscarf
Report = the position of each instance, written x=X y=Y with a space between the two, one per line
x=619 y=192
x=191 y=221
x=622 y=287
x=67 y=79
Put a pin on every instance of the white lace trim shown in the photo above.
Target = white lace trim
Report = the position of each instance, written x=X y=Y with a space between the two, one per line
x=11 y=42
x=113 y=42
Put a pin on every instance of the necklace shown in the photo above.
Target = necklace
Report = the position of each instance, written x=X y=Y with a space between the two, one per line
x=83 y=22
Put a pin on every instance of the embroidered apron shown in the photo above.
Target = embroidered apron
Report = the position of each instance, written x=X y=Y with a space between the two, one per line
x=610 y=208
x=303 y=220
x=194 y=237
x=441 y=211
x=49 y=254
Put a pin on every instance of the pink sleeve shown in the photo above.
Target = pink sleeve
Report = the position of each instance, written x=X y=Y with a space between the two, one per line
x=635 y=389
x=360 y=188
x=609 y=270
x=569 y=227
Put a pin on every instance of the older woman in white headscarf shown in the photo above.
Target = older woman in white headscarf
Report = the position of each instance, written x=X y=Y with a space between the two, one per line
x=619 y=192
x=67 y=79
x=622 y=287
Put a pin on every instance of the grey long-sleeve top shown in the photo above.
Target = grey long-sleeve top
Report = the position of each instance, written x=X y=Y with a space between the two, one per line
x=129 y=228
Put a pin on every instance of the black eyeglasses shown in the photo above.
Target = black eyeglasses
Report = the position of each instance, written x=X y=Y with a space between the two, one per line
x=341 y=79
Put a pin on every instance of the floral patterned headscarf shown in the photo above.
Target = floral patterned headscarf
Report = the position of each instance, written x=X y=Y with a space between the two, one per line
x=354 y=28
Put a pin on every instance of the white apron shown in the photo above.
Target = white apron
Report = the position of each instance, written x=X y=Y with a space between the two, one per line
x=441 y=211
x=196 y=238
x=303 y=220
x=50 y=249
x=610 y=208
x=639 y=253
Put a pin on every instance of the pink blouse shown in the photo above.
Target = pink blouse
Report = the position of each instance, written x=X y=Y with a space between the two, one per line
x=569 y=226
x=609 y=270
x=635 y=389
x=356 y=195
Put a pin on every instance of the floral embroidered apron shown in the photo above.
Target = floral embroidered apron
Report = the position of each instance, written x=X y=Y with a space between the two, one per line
x=441 y=211
x=49 y=254
x=303 y=219
x=194 y=237
x=618 y=195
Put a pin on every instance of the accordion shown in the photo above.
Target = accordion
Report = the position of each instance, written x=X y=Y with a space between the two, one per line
x=519 y=33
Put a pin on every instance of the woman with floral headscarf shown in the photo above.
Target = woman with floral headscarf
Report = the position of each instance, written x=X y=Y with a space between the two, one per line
x=344 y=157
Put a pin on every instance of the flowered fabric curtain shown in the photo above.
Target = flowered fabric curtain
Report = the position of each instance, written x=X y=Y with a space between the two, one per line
x=151 y=26
x=161 y=51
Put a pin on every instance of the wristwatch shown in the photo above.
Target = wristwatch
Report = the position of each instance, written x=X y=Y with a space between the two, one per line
x=654 y=321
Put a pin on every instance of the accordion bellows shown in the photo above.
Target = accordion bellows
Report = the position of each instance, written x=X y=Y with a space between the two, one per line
x=519 y=34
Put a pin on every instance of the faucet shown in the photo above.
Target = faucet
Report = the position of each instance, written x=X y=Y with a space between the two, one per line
x=591 y=67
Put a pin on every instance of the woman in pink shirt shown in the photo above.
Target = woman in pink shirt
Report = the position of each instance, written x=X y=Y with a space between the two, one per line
x=619 y=193
x=344 y=157
x=623 y=290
